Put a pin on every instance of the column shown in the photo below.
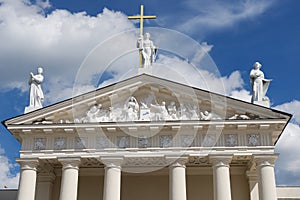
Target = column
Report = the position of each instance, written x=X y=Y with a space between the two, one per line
x=253 y=184
x=221 y=174
x=112 y=178
x=177 y=180
x=27 y=179
x=45 y=185
x=266 y=176
x=69 y=178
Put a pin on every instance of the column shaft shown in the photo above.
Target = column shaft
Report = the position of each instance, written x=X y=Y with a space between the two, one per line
x=112 y=183
x=253 y=185
x=222 y=190
x=44 y=186
x=69 y=179
x=177 y=183
x=27 y=180
x=265 y=170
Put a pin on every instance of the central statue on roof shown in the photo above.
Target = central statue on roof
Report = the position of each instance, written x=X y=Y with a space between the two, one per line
x=146 y=48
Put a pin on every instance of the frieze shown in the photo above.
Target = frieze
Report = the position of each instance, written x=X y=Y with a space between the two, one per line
x=148 y=109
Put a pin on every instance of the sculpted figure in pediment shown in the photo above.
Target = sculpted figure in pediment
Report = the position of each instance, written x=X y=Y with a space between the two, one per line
x=131 y=109
x=206 y=115
x=172 y=110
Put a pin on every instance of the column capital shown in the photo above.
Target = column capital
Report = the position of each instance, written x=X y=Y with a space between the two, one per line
x=112 y=162
x=177 y=161
x=220 y=160
x=70 y=163
x=265 y=160
x=30 y=164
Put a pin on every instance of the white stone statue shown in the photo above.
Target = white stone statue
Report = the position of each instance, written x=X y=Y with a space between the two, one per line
x=148 y=50
x=159 y=112
x=36 y=95
x=259 y=85
x=132 y=109
x=172 y=110
x=206 y=115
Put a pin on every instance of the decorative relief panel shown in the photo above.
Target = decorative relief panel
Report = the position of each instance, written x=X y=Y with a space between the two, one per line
x=81 y=143
x=209 y=140
x=60 y=143
x=149 y=109
x=231 y=140
x=187 y=140
x=102 y=142
x=165 y=140
x=123 y=141
x=144 y=142
x=253 y=139
x=39 y=143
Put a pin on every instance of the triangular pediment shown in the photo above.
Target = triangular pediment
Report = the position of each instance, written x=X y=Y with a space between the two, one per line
x=147 y=98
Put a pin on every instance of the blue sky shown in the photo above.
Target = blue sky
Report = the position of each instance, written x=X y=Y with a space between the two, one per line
x=59 y=34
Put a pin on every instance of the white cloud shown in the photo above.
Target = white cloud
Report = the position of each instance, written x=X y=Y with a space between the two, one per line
x=59 y=42
x=242 y=94
x=288 y=164
x=7 y=179
x=292 y=107
x=215 y=14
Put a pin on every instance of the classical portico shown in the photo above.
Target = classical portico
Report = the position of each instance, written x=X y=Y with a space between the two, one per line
x=115 y=144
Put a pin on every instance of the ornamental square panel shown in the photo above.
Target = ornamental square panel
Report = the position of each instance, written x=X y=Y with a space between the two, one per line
x=165 y=141
x=40 y=143
x=231 y=140
x=60 y=143
x=253 y=139
x=81 y=143
x=144 y=142
x=123 y=141
x=187 y=140
x=102 y=142
x=209 y=140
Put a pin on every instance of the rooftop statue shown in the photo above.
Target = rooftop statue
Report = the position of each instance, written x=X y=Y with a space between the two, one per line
x=36 y=95
x=259 y=86
x=147 y=49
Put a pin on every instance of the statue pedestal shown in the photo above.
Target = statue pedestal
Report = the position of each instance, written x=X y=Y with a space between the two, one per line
x=31 y=108
x=265 y=103
x=143 y=70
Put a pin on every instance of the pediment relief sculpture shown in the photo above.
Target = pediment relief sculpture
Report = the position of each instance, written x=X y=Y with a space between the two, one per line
x=144 y=110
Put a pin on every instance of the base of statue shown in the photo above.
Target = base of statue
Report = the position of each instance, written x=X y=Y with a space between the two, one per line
x=31 y=108
x=145 y=70
x=264 y=103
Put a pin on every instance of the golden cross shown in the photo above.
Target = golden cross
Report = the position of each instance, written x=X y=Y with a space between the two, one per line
x=141 y=17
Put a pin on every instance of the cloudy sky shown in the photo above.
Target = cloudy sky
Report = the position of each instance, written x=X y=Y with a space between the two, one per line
x=65 y=37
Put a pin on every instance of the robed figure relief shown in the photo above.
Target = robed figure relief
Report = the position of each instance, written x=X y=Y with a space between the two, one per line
x=259 y=84
x=36 y=95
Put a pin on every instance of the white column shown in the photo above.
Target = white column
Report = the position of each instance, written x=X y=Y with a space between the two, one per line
x=27 y=179
x=69 y=178
x=266 y=176
x=220 y=164
x=112 y=178
x=45 y=186
x=177 y=180
x=253 y=185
